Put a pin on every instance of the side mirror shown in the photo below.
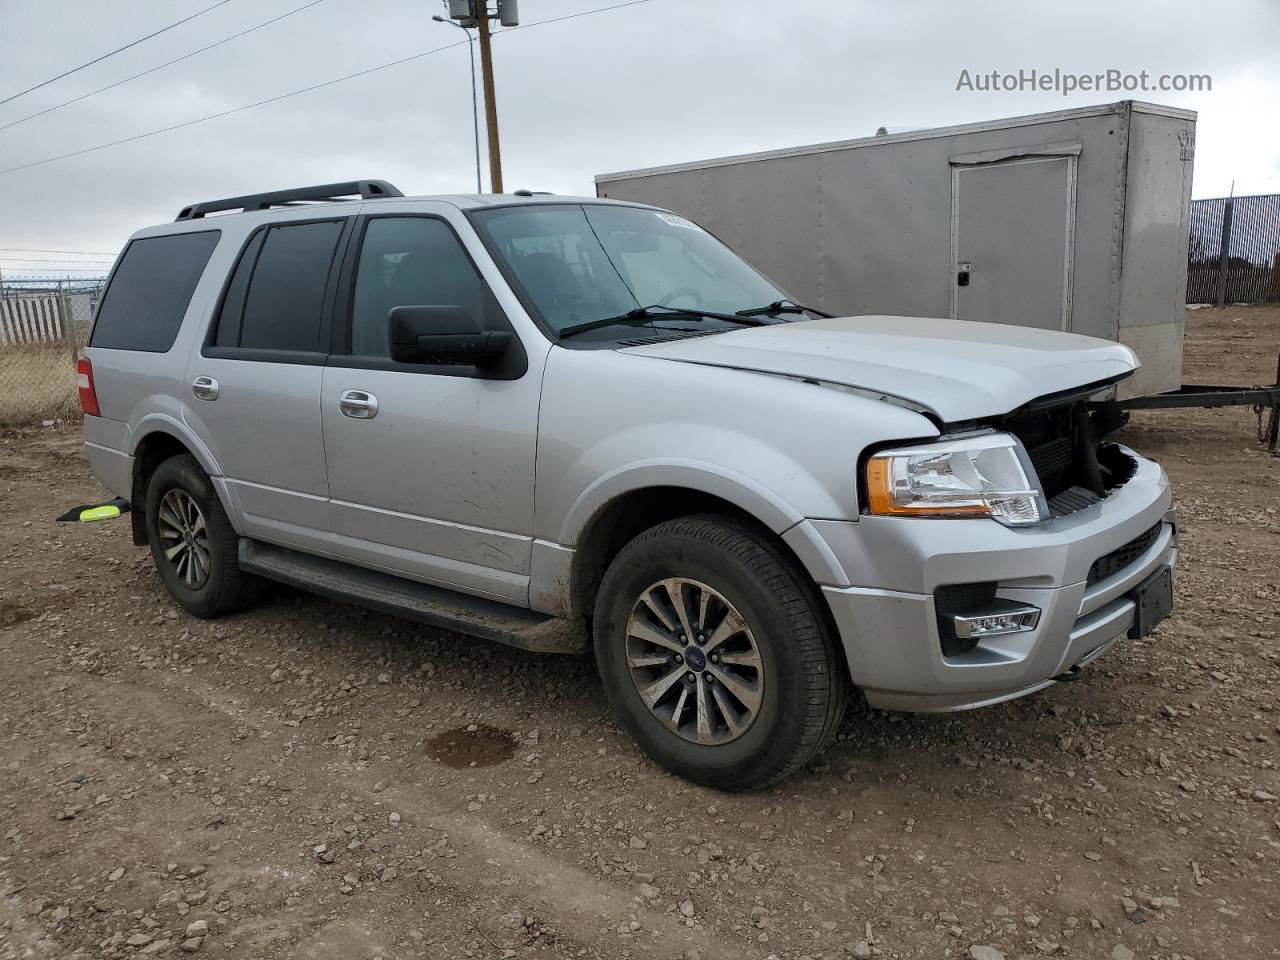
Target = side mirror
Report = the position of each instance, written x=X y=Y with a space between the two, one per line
x=443 y=335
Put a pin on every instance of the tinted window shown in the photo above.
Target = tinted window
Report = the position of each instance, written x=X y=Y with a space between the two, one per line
x=412 y=261
x=150 y=291
x=286 y=293
x=228 y=330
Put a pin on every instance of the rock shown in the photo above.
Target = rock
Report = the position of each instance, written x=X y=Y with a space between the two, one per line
x=983 y=952
x=861 y=950
x=192 y=944
x=115 y=874
x=1121 y=952
x=1094 y=856
x=1031 y=920
x=649 y=891
x=393 y=818
x=198 y=928
x=686 y=908
x=155 y=946
x=1263 y=797
x=277 y=676
x=638 y=843
x=139 y=940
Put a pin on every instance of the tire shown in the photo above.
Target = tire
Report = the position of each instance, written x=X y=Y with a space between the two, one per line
x=213 y=584
x=784 y=661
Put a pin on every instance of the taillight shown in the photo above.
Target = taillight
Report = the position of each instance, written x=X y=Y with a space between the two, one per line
x=88 y=395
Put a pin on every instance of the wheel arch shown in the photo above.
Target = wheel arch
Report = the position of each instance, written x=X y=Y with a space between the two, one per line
x=619 y=507
x=153 y=443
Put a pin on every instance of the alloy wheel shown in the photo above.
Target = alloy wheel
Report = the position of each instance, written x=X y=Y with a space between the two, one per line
x=694 y=661
x=184 y=537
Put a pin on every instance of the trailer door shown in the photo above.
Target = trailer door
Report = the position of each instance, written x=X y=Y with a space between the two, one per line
x=1011 y=235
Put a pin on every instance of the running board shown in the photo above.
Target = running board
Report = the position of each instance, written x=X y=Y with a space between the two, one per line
x=437 y=606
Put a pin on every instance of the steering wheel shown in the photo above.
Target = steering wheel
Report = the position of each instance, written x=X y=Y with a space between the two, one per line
x=676 y=294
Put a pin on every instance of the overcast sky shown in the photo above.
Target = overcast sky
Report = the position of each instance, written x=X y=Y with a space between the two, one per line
x=659 y=82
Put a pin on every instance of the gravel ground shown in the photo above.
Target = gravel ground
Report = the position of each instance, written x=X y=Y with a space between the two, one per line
x=311 y=780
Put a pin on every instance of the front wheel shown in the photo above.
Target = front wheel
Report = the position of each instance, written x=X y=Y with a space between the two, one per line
x=715 y=654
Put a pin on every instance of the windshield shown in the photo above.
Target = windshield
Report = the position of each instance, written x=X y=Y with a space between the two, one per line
x=581 y=263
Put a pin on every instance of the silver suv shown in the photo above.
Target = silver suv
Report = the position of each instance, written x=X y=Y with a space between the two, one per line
x=570 y=423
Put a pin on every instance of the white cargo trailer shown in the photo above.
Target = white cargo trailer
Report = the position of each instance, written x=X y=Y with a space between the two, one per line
x=1075 y=220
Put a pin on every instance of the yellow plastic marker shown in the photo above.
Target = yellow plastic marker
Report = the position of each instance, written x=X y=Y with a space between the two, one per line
x=89 y=512
x=109 y=512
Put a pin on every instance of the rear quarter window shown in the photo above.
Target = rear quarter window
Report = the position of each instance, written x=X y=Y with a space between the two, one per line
x=150 y=291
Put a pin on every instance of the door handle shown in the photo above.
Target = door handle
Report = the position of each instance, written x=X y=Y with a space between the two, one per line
x=205 y=388
x=358 y=404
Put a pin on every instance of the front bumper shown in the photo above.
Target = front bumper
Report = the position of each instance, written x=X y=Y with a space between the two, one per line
x=888 y=624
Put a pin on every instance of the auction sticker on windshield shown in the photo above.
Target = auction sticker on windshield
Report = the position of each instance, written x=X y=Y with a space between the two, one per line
x=675 y=221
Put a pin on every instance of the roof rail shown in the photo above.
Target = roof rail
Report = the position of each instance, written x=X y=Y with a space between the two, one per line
x=365 y=189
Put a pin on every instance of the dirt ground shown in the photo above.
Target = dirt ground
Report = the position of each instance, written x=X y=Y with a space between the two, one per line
x=311 y=780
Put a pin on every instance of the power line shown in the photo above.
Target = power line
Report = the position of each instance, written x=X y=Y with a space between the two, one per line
x=45 y=83
x=241 y=109
x=295 y=93
x=85 y=253
x=71 y=264
x=170 y=63
x=44 y=260
x=572 y=16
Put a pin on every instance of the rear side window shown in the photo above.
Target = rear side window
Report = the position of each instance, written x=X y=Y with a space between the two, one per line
x=150 y=291
x=276 y=296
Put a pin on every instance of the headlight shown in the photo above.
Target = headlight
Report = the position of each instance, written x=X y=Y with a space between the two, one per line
x=987 y=475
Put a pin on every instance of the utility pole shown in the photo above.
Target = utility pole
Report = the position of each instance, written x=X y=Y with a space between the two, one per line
x=490 y=104
x=475 y=13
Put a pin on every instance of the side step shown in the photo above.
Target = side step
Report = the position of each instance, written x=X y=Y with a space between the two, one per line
x=415 y=601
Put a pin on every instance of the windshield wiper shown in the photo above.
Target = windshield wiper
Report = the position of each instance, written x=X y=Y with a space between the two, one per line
x=657 y=311
x=781 y=306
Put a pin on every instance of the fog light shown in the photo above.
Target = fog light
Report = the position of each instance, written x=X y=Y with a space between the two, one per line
x=1000 y=618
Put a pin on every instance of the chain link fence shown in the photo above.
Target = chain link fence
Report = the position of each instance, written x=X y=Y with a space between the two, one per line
x=1234 y=255
x=44 y=324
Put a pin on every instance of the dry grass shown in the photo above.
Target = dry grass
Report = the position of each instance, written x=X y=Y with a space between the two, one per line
x=37 y=382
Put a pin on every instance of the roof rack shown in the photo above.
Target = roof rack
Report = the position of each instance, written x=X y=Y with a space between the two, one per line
x=365 y=189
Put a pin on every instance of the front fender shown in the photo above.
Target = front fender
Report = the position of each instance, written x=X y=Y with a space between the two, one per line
x=705 y=477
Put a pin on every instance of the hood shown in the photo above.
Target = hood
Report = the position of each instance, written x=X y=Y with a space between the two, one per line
x=956 y=369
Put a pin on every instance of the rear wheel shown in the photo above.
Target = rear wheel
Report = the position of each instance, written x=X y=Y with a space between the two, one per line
x=715 y=654
x=192 y=542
